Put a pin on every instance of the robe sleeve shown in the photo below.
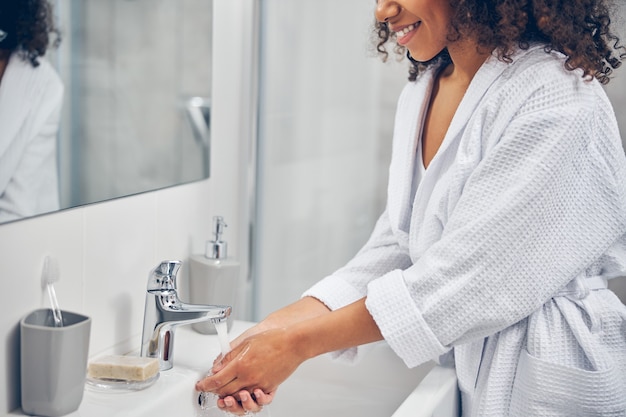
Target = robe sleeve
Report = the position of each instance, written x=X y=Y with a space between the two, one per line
x=380 y=255
x=546 y=200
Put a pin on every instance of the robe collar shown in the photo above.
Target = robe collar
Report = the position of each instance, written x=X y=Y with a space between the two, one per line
x=407 y=132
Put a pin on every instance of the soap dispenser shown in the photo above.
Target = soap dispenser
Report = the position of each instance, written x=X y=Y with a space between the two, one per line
x=213 y=277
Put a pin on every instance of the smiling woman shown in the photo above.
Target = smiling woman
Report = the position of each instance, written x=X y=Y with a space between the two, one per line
x=486 y=249
x=136 y=111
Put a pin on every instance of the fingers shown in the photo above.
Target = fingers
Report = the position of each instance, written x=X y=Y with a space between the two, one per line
x=225 y=379
x=263 y=398
x=247 y=403
x=222 y=360
x=213 y=383
x=218 y=364
x=223 y=384
x=229 y=405
x=217 y=379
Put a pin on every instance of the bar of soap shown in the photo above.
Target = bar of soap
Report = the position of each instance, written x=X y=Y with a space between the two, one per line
x=125 y=368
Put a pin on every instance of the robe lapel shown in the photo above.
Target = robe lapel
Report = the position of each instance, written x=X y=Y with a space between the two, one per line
x=410 y=113
x=484 y=78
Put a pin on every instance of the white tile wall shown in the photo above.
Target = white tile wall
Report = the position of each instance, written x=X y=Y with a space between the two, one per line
x=119 y=243
x=106 y=250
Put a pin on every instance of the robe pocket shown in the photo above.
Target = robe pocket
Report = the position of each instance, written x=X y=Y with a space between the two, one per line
x=543 y=388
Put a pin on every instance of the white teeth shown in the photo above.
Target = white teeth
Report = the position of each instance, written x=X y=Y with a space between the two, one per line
x=406 y=30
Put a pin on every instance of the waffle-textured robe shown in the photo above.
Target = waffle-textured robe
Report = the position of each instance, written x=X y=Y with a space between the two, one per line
x=30 y=109
x=503 y=255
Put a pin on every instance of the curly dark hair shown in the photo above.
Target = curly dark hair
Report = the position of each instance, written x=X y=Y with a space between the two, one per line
x=577 y=28
x=29 y=27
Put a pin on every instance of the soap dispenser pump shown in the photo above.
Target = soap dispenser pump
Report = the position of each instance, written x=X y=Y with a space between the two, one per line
x=213 y=276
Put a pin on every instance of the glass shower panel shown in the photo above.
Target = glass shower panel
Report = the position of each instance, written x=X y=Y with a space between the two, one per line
x=326 y=111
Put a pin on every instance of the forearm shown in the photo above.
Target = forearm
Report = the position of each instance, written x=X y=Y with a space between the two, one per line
x=265 y=359
x=304 y=309
x=343 y=328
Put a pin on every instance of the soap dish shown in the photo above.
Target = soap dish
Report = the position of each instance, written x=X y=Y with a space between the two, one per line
x=120 y=384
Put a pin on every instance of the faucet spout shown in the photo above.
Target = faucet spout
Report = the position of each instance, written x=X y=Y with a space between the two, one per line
x=164 y=312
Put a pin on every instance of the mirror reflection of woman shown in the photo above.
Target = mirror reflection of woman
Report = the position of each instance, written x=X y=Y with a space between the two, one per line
x=31 y=95
x=506 y=216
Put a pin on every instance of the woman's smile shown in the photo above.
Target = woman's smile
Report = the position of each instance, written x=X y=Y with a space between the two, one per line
x=421 y=26
x=404 y=35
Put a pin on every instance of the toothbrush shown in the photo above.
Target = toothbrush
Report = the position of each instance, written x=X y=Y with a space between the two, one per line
x=50 y=276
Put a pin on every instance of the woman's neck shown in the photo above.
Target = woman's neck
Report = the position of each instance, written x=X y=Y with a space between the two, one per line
x=466 y=59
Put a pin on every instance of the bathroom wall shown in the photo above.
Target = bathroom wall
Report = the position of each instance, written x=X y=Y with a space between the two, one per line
x=616 y=89
x=327 y=106
x=106 y=250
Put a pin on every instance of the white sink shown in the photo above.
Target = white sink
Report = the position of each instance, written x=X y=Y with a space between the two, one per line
x=375 y=387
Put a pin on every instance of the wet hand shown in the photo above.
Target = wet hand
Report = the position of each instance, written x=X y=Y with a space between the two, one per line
x=261 y=361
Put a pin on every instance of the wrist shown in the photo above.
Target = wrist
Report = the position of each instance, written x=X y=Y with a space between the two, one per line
x=273 y=321
x=302 y=339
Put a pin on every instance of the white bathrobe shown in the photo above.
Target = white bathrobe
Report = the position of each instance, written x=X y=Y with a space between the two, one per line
x=30 y=108
x=503 y=254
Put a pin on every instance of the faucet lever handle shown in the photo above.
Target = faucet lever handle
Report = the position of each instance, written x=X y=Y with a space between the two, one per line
x=163 y=277
x=169 y=268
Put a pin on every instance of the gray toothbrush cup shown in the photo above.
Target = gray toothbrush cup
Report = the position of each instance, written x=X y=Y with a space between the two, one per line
x=53 y=362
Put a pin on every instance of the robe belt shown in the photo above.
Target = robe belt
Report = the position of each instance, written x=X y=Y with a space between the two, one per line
x=578 y=289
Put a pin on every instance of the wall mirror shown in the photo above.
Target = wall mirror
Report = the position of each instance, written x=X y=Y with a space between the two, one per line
x=136 y=111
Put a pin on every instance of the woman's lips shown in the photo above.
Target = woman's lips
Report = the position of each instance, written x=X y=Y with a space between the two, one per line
x=404 y=35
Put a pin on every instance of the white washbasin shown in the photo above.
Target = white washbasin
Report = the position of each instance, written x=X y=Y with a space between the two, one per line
x=375 y=387
x=437 y=395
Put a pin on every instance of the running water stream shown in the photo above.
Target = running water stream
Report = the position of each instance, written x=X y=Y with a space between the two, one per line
x=207 y=400
x=222 y=334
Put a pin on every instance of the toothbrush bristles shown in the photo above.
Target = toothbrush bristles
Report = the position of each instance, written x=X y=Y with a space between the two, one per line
x=50 y=270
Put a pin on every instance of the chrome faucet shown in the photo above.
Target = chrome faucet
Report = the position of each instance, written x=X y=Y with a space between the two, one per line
x=164 y=312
